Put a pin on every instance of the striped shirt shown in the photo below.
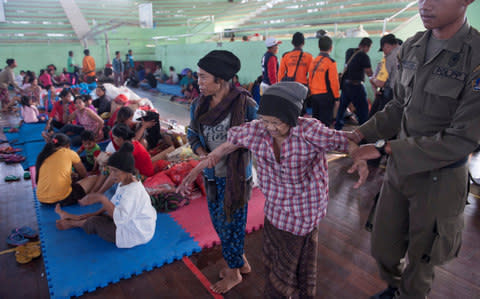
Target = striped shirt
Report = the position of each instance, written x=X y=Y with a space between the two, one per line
x=296 y=189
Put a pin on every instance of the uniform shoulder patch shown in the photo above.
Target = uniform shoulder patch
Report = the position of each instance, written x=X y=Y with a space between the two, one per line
x=476 y=84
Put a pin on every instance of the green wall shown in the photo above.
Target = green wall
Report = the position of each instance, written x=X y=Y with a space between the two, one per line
x=250 y=53
x=185 y=52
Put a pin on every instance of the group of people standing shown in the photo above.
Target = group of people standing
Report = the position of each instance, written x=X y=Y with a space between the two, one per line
x=321 y=76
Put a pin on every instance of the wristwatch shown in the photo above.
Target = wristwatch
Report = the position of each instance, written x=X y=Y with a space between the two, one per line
x=380 y=146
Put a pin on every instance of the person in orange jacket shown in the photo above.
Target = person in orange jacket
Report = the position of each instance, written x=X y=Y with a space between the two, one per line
x=323 y=83
x=296 y=63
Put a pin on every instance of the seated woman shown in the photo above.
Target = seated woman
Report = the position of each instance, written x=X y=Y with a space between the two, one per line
x=61 y=109
x=34 y=91
x=86 y=119
x=101 y=103
x=54 y=172
x=121 y=134
x=128 y=219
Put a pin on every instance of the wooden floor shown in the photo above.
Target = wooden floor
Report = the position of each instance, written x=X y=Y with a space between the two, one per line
x=345 y=267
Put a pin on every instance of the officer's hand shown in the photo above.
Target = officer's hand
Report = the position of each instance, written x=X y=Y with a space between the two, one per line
x=366 y=152
x=361 y=167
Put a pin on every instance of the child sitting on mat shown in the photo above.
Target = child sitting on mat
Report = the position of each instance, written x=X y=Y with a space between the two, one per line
x=292 y=170
x=91 y=148
x=128 y=219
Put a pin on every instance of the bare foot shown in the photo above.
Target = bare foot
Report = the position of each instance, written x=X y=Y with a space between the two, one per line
x=63 y=215
x=64 y=224
x=232 y=278
x=245 y=269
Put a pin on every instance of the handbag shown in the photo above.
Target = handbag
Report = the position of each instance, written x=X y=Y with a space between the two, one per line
x=341 y=75
x=287 y=78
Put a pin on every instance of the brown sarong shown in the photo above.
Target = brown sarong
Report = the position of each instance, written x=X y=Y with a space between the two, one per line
x=290 y=263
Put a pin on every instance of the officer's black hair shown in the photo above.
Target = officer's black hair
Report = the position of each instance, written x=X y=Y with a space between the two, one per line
x=325 y=43
x=365 y=42
x=10 y=61
x=298 y=39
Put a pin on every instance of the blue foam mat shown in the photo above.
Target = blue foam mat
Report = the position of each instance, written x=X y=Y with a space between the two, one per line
x=76 y=263
x=31 y=150
x=27 y=133
x=172 y=89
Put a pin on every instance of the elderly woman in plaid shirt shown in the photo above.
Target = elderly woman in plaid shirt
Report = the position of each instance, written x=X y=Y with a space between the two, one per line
x=292 y=171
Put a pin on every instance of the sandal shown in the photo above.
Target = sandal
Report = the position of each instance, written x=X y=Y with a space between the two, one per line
x=11 y=178
x=27 y=252
x=16 y=239
x=26 y=232
x=10 y=150
x=14 y=158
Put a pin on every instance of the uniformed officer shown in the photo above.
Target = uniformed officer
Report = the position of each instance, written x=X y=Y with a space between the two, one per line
x=436 y=114
x=296 y=63
x=323 y=83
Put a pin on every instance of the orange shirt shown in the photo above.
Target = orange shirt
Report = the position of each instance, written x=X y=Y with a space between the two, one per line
x=88 y=66
x=289 y=63
x=326 y=69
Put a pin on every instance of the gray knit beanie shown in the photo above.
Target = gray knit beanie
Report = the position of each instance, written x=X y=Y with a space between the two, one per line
x=284 y=101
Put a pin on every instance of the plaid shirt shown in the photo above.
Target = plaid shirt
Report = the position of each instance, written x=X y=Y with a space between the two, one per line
x=296 y=189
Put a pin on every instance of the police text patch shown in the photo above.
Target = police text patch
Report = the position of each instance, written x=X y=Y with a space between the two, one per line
x=449 y=73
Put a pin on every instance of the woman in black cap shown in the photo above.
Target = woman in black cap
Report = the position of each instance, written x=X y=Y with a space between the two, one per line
x=220 y=107
x=292 y=170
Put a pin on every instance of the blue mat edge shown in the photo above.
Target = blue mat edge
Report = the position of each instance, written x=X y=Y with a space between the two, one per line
x=102 y=285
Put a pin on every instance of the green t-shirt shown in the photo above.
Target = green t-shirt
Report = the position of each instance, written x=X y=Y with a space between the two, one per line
x=70 y=63
x=92 y=153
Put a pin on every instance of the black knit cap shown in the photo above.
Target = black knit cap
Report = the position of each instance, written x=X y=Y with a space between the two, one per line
x=220 y=63
x=284 y=101
x=123 y=158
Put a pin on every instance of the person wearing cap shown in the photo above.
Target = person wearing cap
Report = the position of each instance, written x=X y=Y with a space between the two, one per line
x=295 y=64
x=270 y=64
x=383 y=80
x=220 y=107
x=323 y=83
x=292 y=170
x=357 y=64
x=435 y=116
x=128 y=219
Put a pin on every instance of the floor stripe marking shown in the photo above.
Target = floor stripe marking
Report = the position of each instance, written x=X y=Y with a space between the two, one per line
x=200 y=277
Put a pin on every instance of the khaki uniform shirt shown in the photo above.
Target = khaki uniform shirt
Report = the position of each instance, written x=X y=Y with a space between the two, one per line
x=436 y=106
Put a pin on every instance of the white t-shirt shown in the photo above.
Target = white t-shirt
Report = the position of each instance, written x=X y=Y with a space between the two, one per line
x=174 y=77
x=133 y=215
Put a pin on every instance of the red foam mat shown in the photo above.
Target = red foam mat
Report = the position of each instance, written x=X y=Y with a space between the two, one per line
x=195 y=220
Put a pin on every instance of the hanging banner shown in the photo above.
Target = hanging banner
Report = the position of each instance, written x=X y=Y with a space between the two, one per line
x=145 y=15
